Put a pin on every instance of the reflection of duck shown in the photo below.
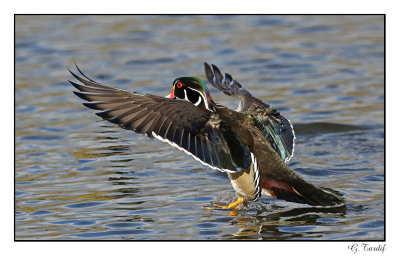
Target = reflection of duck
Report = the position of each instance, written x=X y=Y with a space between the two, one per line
x=252 y=144
x=270 y=222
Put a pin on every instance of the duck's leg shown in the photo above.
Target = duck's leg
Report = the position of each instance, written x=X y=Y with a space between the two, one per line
x=233 y=205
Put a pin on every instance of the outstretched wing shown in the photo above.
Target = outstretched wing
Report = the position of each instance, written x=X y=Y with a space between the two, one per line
x=177 y=122
x=227 y=85
x=277 y=129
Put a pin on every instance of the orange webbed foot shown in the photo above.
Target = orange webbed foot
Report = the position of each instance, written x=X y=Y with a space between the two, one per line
x=233 y=205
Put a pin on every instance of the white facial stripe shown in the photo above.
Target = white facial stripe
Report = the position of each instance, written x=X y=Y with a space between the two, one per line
x=198 y=102
x=205 y=100
x=186 y=97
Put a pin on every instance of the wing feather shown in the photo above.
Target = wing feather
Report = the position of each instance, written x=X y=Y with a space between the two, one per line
x=177 y=122
x=276 y=128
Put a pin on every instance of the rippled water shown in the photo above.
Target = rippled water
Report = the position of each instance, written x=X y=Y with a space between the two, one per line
x=77 y=177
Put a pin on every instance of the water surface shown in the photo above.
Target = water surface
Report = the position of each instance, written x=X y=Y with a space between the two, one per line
x=77 y=177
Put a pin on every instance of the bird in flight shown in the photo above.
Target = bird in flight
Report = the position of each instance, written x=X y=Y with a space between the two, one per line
x=252 y=144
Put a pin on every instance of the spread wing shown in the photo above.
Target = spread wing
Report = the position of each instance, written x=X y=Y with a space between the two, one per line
x=226 y=84
x=276 y=128
x=177 y=122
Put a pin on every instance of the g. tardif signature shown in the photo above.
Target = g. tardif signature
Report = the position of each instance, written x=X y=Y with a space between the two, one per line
x=365 y=247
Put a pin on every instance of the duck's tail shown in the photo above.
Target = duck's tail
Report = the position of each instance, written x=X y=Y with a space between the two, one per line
x=302 y=192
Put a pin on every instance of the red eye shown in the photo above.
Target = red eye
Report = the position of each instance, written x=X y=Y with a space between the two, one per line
x=179 y=84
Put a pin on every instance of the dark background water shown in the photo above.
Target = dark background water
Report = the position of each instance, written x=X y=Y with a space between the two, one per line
x=77 y=177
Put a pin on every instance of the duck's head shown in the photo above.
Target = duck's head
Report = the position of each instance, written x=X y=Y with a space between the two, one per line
x=194 y=90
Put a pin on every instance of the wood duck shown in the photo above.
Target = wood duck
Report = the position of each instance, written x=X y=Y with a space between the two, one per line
x=252 y=144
